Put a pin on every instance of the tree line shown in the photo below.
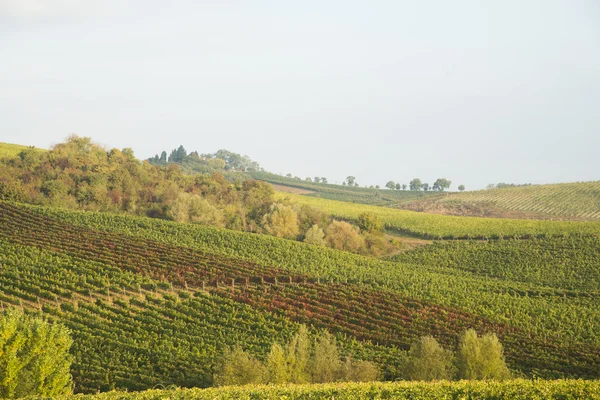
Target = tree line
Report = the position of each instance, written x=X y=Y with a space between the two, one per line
x=320 y=361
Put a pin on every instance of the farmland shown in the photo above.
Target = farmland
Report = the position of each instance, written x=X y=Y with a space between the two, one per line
x=433 y=226
x=130 y=265
x=577 y=200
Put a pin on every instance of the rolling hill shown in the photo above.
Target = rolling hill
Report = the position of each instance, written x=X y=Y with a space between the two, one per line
x=578 y=200
x=155 y=302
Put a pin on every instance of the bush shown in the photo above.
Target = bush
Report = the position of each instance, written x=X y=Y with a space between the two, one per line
x=481 y=357
x=34 y=357
x=428 y=361
x=238 y=367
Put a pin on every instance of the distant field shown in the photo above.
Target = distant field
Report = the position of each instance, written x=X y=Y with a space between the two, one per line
x=11 y=150
x=579 y=200
x=351 y=194
x=433 y=226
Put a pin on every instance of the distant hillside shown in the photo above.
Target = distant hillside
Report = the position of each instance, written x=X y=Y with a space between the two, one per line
x=351 y=194
x=579 y=200
x=11 y=150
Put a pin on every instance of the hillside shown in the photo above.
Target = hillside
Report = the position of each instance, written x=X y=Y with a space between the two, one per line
x=579 y=201
x=134 y=291
x=351 y=194
x=434 y=226
x=12 y=150
x=563 y=201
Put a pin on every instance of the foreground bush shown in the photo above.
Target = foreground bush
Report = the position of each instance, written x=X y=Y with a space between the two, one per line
x=34 y=357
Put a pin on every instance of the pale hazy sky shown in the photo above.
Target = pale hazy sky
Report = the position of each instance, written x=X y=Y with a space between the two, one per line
x=475 y=91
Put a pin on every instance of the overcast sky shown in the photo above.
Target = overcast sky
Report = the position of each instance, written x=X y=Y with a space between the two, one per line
x=475 y=91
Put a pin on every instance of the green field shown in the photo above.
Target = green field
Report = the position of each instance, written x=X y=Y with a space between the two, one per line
x=434 y=226
x=11 y=150
x=515 y=390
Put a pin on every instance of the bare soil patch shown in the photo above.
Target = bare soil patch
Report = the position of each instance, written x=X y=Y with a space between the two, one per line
x=291 y=189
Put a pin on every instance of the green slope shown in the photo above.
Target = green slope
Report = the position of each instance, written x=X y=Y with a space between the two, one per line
x=547 y=331
x=11 y=150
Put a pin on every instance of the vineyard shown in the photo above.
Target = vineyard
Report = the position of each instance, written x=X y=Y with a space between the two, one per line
x=569 y=263
x=433 y=226
x=351 y=194
x=579 y=200
x=144 y=282
x=516 y=389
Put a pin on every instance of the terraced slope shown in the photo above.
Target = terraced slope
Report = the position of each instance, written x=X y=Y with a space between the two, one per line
x=385 y=306
x=579 y=200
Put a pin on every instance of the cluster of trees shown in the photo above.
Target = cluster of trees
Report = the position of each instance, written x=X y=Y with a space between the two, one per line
x=477 y=357
x=80 y=174
x=506 y=185
x=302 y=360
x=290 y=221
x=316 y=179
x=222 y=160
x=416 y=185
x=34 y=357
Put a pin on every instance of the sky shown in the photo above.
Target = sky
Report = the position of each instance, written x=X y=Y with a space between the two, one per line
x=477 y=92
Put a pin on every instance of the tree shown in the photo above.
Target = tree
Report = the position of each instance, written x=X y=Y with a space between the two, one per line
x=350 y=180
x=461 y=188
x=398 y=186
x=308 y=179
x=323 y=180
x=163 y=158
x=390 y=185
x=281 y=221
x=317 y=179
x=278 y=369
x=441 y=183
x=298 y=356
x=416 y=184
x=360 y=371
x=428 y=361
x=370 y=222
x=326 y=366
x=34 y=357
x=289 y=175
x=237 y=367
x=481 y=357
x=315 y=235
x=426 y=186
x=404 y=186
x=343 y=236
x=193 y=208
